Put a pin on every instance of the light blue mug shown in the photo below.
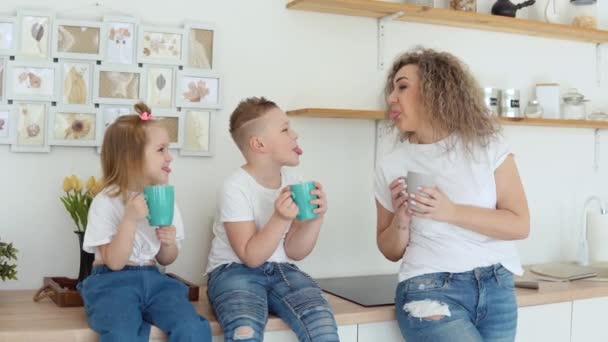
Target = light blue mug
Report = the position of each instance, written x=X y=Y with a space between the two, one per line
x=161 y=201
x=300 y=193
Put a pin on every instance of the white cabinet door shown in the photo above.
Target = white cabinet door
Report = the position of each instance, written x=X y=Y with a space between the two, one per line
x=347 y=333
x=383 y=331
x=549 y=322
x=589 y=322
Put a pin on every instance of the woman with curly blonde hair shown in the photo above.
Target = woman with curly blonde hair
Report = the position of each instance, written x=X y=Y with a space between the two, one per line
x=455 y=234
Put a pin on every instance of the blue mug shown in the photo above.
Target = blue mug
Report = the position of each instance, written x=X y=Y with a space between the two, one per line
x=300 y=193
x=161 y=201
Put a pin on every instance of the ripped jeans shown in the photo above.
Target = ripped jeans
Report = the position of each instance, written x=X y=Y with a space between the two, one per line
x=478 y=305
x=242 y=298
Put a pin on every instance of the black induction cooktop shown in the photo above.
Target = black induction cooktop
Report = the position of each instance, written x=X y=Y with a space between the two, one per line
x=373 y=290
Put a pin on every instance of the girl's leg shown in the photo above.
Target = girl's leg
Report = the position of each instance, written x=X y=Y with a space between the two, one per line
x=167 y=307
x=112 y=302
x=500 y=321
x=238 y=295
x=298 y=300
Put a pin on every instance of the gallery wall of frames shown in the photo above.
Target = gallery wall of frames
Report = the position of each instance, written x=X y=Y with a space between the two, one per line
x=62 y=82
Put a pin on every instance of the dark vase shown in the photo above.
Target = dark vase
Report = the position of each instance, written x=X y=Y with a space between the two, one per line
x=508 y=9
x=86 y=259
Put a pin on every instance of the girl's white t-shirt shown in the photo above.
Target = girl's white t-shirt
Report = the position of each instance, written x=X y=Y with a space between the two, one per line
x=468 y=180
x=104 y=217
x=243 y=199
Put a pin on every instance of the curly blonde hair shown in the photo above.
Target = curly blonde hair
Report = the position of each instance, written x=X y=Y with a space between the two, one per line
x=452 y=98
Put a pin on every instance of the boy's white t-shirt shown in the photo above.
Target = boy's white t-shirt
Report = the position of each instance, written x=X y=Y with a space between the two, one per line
x=438 y=246
x=104 y=217
x=242 y=199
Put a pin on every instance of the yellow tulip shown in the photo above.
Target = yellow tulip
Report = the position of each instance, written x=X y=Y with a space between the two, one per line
x=67 y=184
x=91 y=184
x=76 y=183
x=97 y=188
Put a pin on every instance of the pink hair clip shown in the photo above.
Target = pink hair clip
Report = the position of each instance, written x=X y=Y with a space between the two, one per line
x=145 y=116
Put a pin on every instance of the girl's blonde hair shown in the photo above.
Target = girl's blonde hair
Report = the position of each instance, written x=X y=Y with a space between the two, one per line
x=123 y=150
x=452 y=98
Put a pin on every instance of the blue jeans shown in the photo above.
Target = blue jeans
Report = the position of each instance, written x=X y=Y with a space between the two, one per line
x=242 y=297
x=121 y=305
x=472 y=306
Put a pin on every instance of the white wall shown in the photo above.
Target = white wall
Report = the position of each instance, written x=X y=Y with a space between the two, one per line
x=302 y=59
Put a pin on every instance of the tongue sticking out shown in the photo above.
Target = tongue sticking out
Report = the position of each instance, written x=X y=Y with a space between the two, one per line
x=298 y=151
x=394 y=115
x=167 y=169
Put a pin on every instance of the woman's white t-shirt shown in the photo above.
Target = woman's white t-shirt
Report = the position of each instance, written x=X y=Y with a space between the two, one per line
x=242 y=199
x=468 y=180
x=104 y=217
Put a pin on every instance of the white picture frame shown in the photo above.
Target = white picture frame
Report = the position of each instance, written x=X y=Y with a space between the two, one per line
x=74 y=126
x=197 y=136
x=157 y=45
x=117 y=84
x=77 y=39
x=4 y=60
x=160 y=93
x=200 y=45
x=32 y=81
x=30 y=46
x=75 y=83
x=119 y=35
x=198 y=89
x=108 y=113
x=6 y=123
x=29 y=129
x=8 y=35
x=174 y=126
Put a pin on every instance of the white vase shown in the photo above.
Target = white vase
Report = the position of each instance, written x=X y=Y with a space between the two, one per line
x=551 y=15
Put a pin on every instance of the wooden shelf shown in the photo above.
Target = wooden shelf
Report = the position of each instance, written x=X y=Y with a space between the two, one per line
x=448 y=17
x=379 y=115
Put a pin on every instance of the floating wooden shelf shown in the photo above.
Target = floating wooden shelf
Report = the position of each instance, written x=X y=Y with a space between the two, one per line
x=448 y=17
x=378 y=115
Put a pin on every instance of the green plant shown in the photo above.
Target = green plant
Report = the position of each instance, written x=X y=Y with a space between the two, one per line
x=77 y=200
x=7 y=253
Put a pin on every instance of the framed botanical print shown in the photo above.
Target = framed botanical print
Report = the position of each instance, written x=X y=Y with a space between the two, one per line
x=6 y=121
x=200 y=45
x=117 y=84
x=160 y=86
x=197 y=132
x=3 y=77
x=198 y=89
x=29 y=129
x=74 y=126
x=34 y=34
x=119 y=35
x=159 y=45
x=34 y=81
x=108 y=114
x=77 y=39
x=76 y=82
x=8 y=36
x=172 y=121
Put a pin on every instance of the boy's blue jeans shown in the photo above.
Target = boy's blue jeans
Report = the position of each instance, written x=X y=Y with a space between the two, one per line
x=481 y=305
x=242 y=297
x=121 y=305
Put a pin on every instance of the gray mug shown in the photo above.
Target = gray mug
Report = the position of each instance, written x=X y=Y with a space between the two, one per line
x=417 y=180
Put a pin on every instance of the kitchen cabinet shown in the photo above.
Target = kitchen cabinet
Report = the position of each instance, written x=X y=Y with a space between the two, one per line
x=589 y=320
x=550 y=322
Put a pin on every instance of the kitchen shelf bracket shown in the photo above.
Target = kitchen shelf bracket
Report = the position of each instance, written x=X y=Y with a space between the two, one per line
x=382 y=22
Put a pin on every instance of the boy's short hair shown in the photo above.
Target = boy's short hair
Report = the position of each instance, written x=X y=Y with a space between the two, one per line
x=249 y=109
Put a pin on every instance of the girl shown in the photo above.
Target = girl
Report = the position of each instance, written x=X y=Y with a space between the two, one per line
x=453 y=237
x=125 y=292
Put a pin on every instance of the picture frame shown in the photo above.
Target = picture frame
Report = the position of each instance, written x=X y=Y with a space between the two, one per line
x=200 y=45
x=6 y=123
x=108 y=113
x=8 y=35
x=159 y=85
x=173 y=122
x=32 y=81
x=160 y=45
x=119 y=35
x=3 y=76
x=76 y=82
x=29 y=129
x=77 y=39
x=34 y=34
x=117 y=84
x=198 y=89
x=74 y=126
x=197 y=134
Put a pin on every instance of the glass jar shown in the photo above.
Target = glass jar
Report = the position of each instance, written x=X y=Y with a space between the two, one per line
x=533 y=109
x=584 y=13
x=573 y=107
x=464 y=5
x=510 y=103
